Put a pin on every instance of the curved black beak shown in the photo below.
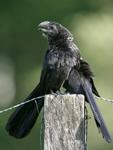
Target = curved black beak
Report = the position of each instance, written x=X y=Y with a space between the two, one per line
x=44 y=24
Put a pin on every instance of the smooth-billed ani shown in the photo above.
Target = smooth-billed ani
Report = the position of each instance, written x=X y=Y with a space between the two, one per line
x=62 y=66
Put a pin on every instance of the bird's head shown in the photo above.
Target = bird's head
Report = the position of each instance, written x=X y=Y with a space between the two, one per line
x=55 y=31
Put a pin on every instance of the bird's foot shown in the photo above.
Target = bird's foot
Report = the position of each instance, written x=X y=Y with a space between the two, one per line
x=52 y=93
x=62 y=93
x=59 y=93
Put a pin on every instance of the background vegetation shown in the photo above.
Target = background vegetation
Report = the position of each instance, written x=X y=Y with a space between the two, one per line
x=22 y=50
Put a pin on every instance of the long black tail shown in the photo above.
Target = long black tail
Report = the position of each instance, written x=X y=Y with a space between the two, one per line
x=24 y=117
x=77 y=83
x=97 y=115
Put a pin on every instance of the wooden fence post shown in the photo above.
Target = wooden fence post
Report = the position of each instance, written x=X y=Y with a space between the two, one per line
x=64 y=122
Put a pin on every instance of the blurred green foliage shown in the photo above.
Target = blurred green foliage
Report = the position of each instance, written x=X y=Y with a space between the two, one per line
x=22 y=50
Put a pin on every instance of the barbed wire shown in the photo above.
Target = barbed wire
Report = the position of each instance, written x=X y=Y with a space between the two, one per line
x=33 y=99
x=104 y=99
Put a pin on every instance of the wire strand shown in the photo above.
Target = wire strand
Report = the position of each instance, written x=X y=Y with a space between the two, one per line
x=7 y=109
x=104 y=99
x=21 y=104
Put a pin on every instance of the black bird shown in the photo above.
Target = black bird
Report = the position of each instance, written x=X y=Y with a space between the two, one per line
x=62 y=66
x=59 y=60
